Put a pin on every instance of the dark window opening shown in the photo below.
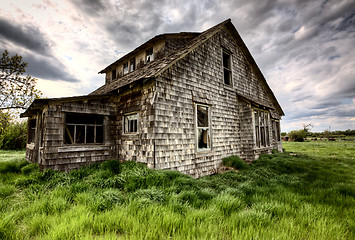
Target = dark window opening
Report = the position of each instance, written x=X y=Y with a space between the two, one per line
x=131 y=123
x=203 y=128
x=32 y=131
x=227 y=68
x=262 y=136
x=125 y=68
x=83 y=129
x=132 y=65
x=113 y=74
x=274 y=130
x=278 y=132
x=149 y=55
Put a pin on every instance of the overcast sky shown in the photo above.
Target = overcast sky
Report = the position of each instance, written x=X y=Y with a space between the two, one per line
x=305 y=48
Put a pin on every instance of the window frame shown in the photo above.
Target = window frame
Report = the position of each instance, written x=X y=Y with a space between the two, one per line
x=208 y=128
x=261 y=122
x=32 y=127
x=95 y=126
x=125 y=68
x=113 y=74
x=228 y=68
x=150 y=55
x=126 y=124
x=132 y=62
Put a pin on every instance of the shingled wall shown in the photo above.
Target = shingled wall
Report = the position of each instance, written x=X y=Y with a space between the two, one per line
x=200 y=73
x=50 y=149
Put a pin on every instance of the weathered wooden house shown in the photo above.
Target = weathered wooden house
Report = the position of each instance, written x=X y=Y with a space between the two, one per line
x=180 y=101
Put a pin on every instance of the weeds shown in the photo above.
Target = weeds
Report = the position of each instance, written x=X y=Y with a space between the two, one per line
x=279 y=196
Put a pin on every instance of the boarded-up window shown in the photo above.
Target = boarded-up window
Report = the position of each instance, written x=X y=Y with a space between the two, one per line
x=203 y=127
x=130 y=123
x=132 y=65
x=31 y=131
x=83 y=129
x=227 y=67
x=125 y=68
x=262 y=128
x=149 y=55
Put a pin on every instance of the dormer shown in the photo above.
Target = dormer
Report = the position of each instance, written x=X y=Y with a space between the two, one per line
x=155 y=48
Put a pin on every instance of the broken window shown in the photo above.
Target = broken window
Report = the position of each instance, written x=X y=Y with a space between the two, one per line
x=257 y=132
x=203 y=127
x=149 y=55
x=132 y=64
x=125 y=68
x=83 y=129
x=227 y=67
x=277 y=130
x=130 y=123
x=262 y=136
x=274 y=130
x=113 y=74
x=31 y=131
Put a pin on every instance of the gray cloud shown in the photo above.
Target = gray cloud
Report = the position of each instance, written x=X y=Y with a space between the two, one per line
x=304 y=48
x=92 y=7
x=27 y=36
x=47 y=68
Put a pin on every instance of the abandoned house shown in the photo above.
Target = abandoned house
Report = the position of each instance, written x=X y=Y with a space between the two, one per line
x=180 y=101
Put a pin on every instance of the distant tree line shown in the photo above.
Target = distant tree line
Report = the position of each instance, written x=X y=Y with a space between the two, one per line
x=302 y=134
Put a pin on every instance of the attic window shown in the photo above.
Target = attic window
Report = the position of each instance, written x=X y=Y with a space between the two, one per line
x=227 y=67
x=113 y=74
x=132 y=65
x=125 y=68
x=203 y=127
x=149 y=55
x=83 y=129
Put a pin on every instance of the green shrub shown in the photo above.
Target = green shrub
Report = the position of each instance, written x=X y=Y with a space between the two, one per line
x=298 y=135
x=234 y=162
x=14 y=136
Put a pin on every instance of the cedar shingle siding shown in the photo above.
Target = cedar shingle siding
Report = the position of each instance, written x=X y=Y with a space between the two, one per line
x=186 y=70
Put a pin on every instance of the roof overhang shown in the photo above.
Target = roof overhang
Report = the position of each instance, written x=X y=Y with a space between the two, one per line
x=38 y=104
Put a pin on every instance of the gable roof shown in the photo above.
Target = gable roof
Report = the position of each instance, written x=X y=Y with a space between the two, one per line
x=158 y=66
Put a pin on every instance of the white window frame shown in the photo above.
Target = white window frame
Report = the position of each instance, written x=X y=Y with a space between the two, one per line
x=125 y=125
x=197 y=128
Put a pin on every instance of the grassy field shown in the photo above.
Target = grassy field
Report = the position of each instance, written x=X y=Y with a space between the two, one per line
x=306 y=193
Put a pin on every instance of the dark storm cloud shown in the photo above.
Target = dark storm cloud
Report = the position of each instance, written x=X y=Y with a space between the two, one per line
x=35 y=49
x=27 y=36
x=47 y=68
x=43 y=67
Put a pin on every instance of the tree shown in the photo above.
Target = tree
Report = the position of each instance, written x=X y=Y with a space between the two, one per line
x=307 y=127
x=16 y=91
x=298 y=135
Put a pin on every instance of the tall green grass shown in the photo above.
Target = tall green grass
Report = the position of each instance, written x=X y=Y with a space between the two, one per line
x=300 y=194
